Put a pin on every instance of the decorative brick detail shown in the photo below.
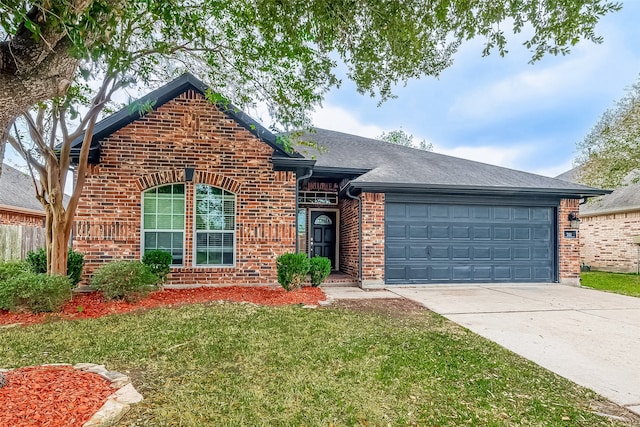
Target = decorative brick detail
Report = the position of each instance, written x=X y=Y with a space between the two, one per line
x=349 y=237
x=10 y=217
x=372 y=238
x=188 y=131
x=160 y=178
x=569 y=248
x=607 y=241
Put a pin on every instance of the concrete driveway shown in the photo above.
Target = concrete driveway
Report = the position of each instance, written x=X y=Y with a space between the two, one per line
x=587 y=336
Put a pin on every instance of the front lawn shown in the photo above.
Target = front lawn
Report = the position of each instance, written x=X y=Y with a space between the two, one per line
x=240 y=364
x=620 y=283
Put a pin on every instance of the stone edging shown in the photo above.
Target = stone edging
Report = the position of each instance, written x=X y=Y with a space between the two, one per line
x=117 y=404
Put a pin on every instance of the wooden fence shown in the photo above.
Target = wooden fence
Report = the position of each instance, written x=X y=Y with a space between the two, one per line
x=17 y=240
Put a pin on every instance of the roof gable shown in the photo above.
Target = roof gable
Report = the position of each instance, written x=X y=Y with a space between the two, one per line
x=161 y=96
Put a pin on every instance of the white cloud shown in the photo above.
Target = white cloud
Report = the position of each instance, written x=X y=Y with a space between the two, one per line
x=510 y=157
x=554 y=170
x=342 y=120
x=534 y=87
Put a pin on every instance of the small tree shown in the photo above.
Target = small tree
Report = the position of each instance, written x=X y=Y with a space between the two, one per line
x=400 y=137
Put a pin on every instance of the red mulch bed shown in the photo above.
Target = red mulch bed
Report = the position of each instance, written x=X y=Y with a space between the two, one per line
x=51 y=396
x=57 y=396
x=92 y=305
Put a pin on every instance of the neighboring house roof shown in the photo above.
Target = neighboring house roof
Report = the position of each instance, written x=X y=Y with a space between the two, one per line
x=623 y=199
x=159 y=97
x=17 y=193
x=391 y=167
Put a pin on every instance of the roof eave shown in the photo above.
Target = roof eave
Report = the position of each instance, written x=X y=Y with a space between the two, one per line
x=281 y=163
x=384 y=187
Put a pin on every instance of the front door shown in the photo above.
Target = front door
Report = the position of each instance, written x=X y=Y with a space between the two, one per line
x=323 y=235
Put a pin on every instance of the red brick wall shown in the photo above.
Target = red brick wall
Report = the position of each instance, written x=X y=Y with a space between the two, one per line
x=372 y=239
x=8 y=217
x=569 y=249
x=154 y=150
x=607 y=241
x=349 y=234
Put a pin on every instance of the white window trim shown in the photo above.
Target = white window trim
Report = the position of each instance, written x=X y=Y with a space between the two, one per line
x=142 y=229
x=194 y=246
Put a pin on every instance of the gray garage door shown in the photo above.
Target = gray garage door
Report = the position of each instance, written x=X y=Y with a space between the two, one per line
x=434 y=243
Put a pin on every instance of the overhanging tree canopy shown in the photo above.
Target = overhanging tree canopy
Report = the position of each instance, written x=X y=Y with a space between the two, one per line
x=281 y=52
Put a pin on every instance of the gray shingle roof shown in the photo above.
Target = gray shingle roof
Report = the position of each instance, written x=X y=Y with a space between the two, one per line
x=622 y=199
x=16 y=189
x=395 y=166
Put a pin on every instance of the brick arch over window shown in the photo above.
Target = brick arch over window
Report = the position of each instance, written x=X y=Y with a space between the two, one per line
x=217 y=180
x=157 y=179
x=177 y=175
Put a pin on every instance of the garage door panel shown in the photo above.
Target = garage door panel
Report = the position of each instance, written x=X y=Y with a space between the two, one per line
x=502 y=233
x=440 y=253
x=396 y=230
x=461 y=232
x=439 y=232
x=430 y=243
x=418 y=252
x=418 y=231
x=521 y=233
x=417 y=211
x=396 y=210
x=459 y=253
x=483 y=274
x=396 y=252
x=481 y=233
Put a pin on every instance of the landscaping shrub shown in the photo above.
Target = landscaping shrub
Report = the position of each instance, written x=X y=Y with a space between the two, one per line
x=292 y=270
x=75 y=261
x=159 y=263
x=35 y=292
x=128 y=280
x=319 y=269
x=8 y=271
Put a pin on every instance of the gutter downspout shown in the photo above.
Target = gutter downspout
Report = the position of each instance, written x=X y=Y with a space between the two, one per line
x=298 y=180
x=351 y=196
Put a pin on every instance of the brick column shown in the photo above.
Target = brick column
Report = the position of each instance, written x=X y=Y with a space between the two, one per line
x=372 y=240
x=568 y=248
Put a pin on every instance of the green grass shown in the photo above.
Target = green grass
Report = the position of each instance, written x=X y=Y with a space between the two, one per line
x=244 y=365
x=620 y=283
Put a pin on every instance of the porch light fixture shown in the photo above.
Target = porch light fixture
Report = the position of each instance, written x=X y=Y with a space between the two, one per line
x=574 y=221
x=188 y=174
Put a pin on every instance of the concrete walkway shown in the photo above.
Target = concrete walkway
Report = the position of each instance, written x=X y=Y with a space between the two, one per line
x=587 y=336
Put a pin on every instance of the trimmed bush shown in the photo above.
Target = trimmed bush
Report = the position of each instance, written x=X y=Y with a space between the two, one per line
x=159 y=262
x=319 y=269
x=8 y=271
x=127 y=280
x=75 y=261
x=292 y=270
x=35 y=292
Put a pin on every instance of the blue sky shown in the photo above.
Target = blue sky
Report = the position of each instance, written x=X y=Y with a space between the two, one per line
x=505 y=111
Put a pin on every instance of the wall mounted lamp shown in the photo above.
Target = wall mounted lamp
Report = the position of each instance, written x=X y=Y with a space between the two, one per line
x=574 y=221
x=188 y=174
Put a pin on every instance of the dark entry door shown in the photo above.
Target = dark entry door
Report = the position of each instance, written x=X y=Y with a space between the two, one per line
x=323 y=235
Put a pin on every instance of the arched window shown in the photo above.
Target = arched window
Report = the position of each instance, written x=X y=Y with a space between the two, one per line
x=163 y=221
x=215 y=225
x=323 y=220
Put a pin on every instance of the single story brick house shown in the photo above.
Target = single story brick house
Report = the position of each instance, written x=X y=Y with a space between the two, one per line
x=225 y=197
x=608 y=226
x=21 y=215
